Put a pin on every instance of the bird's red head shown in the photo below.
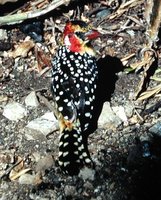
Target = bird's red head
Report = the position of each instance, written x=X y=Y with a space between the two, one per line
x=77 y=34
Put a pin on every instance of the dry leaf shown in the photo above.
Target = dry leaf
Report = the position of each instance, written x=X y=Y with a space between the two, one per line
x=124 y=7
x=18 y=170
x=3 y=98
x=38 y=179
x=23 y=49
x=43 y=58
x=5 y=1
x=150 y=92
x=153 y=17
x=14 y=174
x=148 y=60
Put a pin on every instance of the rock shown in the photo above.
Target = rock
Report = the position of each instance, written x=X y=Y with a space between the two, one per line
x=103 y=13
x=87 y=173
x=30 y=179
x=120 y=112
x=31 y=100
x=70 y=190
x=34 y=196
x=88 y=186
x=35 y=156
x=39 y=128
x=14 y=111
x=156 y=129
x=3 y=34
x=112 y=185
x=44 y=163
x=3 y=98
x=129 y=109
x=108 y=119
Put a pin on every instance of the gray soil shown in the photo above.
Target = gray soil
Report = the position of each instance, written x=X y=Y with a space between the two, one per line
x=126 y=156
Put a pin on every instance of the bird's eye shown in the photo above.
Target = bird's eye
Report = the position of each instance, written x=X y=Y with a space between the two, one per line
x=80 y=35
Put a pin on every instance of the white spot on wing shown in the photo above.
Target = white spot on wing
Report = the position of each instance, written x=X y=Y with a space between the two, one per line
x=66 y=163
x=60 y=163
x=84 y=154
x=66 y=135
x=61 y=92
x=60 y=143
x=65 y=154
x=57 y=98
x=87 y=114
x=87 y=160
x=76 y=143
x=60 y=109
x=60 y=153
x=65 y=144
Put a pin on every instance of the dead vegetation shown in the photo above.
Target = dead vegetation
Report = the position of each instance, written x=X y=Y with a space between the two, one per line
x=29 y=36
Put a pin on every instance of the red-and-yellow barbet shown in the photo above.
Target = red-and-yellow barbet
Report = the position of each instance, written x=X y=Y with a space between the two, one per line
x=74 y=77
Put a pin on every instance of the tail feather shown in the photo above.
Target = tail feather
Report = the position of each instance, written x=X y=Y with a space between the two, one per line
x=72 y=152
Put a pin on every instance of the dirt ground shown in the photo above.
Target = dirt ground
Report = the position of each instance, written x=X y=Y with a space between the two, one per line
x=126 y=156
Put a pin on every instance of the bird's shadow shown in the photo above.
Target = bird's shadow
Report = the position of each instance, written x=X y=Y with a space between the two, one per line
x=108 y=67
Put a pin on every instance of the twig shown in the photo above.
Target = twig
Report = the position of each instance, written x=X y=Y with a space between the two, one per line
x=136 y=21
x=46 y=102
x=19 y=17
x=10 y=168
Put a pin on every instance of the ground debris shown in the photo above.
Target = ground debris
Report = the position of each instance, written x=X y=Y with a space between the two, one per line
x=41 y=127
x=14 y=111
x=108 y=118
x=31 y=100
x=125 y=148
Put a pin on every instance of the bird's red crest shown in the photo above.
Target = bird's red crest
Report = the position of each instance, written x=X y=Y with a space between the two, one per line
x=68 y=29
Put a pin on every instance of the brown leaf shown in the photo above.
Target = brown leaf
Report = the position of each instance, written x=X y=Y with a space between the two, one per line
x=23 y=49
x=3 y=98
x=18 y=170
x=150 y=92
x=42 y=58
x=153 y=17
x=14 y=174
x=148 y=60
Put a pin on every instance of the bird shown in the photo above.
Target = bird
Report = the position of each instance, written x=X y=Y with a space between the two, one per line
x=73 y=85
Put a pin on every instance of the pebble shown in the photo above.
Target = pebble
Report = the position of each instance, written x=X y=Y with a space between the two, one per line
x=28 y=179
x=14 y=111
x=39 y=128
x=31 y=100
x=112 y=186
x=3 y=34
x=129 y=109
x=37 y=197
x=69 y=190
x=44 y=163
x=88 y=185
x=36 y=156
x=3 y=98
x=87 y=173
x=103 y=13
x=108 y=118
x=120 y=112
x=156 y=129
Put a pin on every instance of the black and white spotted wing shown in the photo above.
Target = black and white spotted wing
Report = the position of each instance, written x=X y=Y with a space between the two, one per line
x=74 y=84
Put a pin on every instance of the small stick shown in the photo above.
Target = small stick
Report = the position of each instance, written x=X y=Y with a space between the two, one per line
x=19 y=17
